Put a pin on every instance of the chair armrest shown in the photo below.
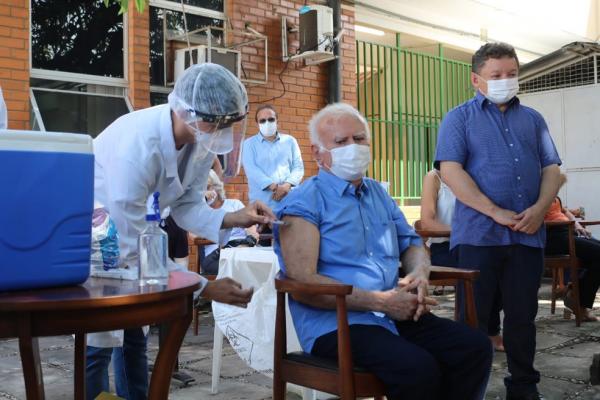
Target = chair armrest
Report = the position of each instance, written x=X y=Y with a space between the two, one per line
x=551 y=224
x=198 y=241
x=589 y=223
x=285 y=284
x=265 y=236
x=432 y=234
x=439 y=273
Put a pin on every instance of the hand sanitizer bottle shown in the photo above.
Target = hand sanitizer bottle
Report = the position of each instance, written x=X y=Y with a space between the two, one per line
x=152 y=248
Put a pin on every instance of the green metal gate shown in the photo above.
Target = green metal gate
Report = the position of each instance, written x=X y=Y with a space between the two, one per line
x=404 y=95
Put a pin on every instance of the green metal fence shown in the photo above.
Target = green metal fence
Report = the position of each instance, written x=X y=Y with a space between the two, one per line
x=404 y=95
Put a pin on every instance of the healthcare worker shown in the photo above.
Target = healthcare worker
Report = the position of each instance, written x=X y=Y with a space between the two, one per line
x=170 y=149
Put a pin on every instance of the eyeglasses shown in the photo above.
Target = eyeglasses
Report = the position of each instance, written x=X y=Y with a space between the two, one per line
x=263 y=120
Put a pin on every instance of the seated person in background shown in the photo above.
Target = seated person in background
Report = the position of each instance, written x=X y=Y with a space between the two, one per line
x=344 y=228
x=587 y=249
x=437 y=209
x=215 y=198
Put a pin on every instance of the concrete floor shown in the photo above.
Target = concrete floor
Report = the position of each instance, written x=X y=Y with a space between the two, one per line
x=563 y=358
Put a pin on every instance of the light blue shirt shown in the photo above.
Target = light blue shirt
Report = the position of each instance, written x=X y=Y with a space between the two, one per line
x=361 y=239
x=267 y=162
x=504 y=153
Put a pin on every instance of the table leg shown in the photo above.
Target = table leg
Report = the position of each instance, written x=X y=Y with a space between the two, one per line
x=79 y=382
x=167 y=354
x=30 y=359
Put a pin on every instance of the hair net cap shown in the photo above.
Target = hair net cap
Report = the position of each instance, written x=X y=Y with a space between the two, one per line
x=210 y=89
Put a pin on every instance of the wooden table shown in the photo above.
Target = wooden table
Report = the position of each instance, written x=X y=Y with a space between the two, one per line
x=97 y=305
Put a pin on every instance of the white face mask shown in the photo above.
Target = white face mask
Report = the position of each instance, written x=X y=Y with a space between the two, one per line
x=350 y=162
x=268 y=129
x=501 y=91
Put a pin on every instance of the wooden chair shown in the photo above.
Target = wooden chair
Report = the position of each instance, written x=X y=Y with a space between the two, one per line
x=557 y=264
x=339 y=377
x=426 y=234
x=196 y=246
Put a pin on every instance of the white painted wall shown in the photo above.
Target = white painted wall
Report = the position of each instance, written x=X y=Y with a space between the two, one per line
x=533 y=27
x=573 y=117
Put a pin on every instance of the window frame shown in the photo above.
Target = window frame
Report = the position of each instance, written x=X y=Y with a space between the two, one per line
x=191 y=10
x=37 y=115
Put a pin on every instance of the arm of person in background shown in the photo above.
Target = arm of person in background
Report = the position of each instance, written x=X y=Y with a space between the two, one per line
x=467 y=191
x=253 y=231
x=296 y=172
x=429 y=198
x=580 y=230
x=256 y=177
x=300 y=249
x=218 y=168
x=532 y=218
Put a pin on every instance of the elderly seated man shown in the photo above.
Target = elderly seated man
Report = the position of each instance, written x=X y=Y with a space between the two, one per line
x=343 y=227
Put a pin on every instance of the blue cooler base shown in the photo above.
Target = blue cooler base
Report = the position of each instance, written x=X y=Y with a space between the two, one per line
x=46 y=220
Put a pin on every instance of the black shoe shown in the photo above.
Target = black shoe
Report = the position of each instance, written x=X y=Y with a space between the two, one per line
x=529 y=396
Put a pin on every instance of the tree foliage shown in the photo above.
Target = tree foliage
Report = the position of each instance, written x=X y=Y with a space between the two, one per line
x=123 y=4
x=77 y=36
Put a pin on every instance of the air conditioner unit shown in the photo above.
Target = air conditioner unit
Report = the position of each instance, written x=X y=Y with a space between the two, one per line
x=316 y=29
x=230 y=59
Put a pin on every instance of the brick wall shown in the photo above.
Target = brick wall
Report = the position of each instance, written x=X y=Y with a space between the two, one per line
x=138 y=71
x=306 y=86
x=14 y=61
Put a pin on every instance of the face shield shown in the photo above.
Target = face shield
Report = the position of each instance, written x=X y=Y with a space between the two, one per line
x=213 y=104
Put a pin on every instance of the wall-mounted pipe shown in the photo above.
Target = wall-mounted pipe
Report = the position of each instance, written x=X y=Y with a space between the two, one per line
x=335 y=66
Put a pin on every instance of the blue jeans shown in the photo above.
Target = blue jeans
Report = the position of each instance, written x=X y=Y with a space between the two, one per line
x=433 y=358
x=515 y=272
x=130 y=363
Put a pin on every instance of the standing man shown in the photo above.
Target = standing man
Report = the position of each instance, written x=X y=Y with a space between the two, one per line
x=498 y=158
x=271 y=160
x=170 y=149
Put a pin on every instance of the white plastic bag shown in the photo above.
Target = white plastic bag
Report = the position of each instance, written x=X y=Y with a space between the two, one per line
x=251 y=331
x=105 y=241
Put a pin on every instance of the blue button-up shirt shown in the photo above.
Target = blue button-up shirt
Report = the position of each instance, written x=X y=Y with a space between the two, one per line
x=504 y=153
x=267 y=162
x=361 y=240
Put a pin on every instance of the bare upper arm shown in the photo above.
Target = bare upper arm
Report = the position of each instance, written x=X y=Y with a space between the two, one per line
x=299 y=241
x=429 y=197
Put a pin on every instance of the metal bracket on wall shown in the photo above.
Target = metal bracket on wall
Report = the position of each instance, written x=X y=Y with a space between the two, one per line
x=309 y=57
x=234 y=39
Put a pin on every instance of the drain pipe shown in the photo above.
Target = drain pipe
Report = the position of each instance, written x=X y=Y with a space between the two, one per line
x=335 y=66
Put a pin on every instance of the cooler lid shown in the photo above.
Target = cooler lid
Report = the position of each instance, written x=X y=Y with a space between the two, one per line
x=45 y=141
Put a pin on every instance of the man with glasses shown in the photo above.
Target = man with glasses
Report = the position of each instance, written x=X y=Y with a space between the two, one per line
x=168 y=149
x=271 y=159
